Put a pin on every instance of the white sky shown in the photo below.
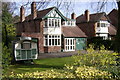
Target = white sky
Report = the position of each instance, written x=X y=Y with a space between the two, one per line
x=78 y=6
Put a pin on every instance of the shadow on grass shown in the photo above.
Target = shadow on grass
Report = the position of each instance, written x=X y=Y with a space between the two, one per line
x=38 y=66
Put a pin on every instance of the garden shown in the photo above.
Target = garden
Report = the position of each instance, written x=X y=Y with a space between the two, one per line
x=95 y=64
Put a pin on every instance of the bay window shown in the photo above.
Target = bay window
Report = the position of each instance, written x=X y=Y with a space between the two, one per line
x=52 y=40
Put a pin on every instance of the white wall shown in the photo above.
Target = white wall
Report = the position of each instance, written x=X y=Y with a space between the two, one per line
x=53 y=30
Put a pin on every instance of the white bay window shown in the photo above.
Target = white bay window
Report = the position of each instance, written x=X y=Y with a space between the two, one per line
x=52 y=40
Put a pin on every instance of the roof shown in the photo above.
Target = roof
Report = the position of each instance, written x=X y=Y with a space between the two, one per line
x=72 y=31
x=40 y=14
x=113 y=16
x=93 y=17
x=112 y=30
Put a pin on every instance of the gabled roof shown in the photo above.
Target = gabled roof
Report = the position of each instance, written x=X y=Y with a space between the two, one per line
x=93 y=17
x=42 y=13
x=113 y=16
x=112 y=30
x=72 y=31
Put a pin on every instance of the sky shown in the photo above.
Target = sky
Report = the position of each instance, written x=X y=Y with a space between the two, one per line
x=77 y=6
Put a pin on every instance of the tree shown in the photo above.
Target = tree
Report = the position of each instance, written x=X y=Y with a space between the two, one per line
x=8 y=34
x=117 y=40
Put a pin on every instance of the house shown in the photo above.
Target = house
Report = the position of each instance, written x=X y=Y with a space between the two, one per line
x=96 y=25
x=53 y=31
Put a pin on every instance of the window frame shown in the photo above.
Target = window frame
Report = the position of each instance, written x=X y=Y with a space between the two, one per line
x=52 y=40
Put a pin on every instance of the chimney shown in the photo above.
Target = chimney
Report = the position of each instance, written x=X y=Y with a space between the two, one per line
x=73 y=16
x=33 y=10
x=87 y=16
x=22 y=14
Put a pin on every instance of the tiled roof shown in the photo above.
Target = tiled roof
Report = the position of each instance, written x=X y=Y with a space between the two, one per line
x=93 y=17
x=40 y=14
x=112 y=30
x=113 y=16
x=72 y=31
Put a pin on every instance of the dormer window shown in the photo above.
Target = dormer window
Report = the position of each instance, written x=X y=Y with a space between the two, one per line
x=102 y=24
x=69 y=23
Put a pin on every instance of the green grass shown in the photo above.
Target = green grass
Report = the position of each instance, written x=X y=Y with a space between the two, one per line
x=41 y=65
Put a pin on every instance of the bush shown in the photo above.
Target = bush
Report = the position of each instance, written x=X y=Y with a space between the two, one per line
x=102 y=59
x=99 y=64
x=6 y=57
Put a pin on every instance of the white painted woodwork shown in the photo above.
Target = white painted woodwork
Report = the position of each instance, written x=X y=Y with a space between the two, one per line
x=69 y=23
x=54 y=14
x=102 y=30
x=69 y=44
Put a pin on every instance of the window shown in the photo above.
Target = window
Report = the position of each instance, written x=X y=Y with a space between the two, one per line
x=50 y=24
x=70 y=45
x=53 y=40
x=98 y=24
x=69 y=23
x=46 y=40
x=45 y=23
x=56 y=25
x=26 y=45
x=103 y=25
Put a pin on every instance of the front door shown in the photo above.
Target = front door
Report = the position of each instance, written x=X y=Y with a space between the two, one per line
x=80 y=43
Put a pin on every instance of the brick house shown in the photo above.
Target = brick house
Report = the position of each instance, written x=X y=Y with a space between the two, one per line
x=53 y=31
x=96 y=25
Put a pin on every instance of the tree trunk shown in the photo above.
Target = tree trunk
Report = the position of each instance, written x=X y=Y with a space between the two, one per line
x=117 y=41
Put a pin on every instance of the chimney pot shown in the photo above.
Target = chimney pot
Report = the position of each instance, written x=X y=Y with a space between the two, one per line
x=33 y=10
x=22 y=14
x=87 y=15
x=73 y=16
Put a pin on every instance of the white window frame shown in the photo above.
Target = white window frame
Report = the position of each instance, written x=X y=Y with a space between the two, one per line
x=55 y=22
x=68 y=44
x=52 y=38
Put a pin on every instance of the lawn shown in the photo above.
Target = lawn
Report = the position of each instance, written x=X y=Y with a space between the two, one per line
x=41 y=65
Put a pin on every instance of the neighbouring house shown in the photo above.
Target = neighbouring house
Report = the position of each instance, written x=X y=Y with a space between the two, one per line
x=96 y=25
x=51 y=29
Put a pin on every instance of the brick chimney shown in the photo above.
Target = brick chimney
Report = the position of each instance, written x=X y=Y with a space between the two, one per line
x=73 y=16
x=33 y=10
x=87 y=15
x=22 y=14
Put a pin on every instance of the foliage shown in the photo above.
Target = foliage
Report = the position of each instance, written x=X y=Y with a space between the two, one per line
x=43 y=74
x=98 y=42
x=102 y=59
x=6 y=57
x=98 y=64
x=8 y=34
x=80 y=72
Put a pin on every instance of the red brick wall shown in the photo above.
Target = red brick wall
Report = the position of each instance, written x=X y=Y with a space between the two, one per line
x=52 y=49
x=40 y=40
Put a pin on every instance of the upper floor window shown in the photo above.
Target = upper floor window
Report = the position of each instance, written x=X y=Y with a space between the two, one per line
x=53 y=22
x=69 y=23
x=103 y=24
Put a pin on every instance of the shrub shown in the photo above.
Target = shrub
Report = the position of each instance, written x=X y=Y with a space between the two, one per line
x=101 y=59
x=43 y=74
